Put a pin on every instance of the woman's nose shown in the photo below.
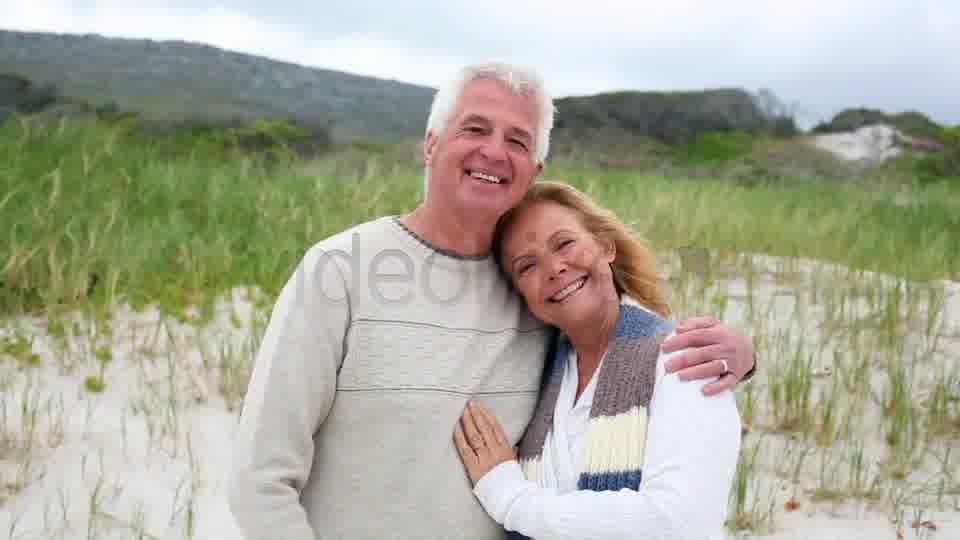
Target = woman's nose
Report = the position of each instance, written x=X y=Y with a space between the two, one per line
x=557 y=267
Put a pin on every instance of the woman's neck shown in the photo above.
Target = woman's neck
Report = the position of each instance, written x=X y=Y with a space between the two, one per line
x=590 y=341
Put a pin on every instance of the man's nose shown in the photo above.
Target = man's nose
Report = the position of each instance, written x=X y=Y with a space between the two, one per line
x=494 y=150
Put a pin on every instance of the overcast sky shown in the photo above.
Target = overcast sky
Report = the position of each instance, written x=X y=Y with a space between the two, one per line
x=822 y=55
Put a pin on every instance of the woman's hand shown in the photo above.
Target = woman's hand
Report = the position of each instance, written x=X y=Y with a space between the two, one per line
x=481 y=441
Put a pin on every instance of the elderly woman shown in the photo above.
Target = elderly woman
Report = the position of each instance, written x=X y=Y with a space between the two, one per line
x=617 y=447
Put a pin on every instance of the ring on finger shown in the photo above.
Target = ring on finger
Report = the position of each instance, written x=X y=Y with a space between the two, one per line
x=726 y=367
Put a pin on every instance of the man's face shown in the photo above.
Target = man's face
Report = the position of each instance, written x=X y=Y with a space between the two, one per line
x=484 y=162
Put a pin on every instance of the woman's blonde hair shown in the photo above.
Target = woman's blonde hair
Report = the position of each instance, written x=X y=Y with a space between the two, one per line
x=634 y=266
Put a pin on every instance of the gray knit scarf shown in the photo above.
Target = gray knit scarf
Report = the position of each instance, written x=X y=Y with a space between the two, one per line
x=616 y=435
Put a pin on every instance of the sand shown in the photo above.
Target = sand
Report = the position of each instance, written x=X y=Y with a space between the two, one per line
x=869 y=144
x=146 y=457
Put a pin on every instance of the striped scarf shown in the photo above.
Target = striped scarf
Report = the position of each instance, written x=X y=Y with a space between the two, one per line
x=618 y=416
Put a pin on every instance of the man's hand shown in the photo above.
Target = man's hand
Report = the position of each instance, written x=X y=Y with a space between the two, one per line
x=715 y=350
x=481 y=441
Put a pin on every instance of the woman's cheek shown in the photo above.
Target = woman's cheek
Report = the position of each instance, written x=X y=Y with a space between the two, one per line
x=529 y=288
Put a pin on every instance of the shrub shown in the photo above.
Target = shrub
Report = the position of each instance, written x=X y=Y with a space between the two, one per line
x=717 y=147
x=910 y=122
x=22 y=95
x=270 y=136
x=943 y=165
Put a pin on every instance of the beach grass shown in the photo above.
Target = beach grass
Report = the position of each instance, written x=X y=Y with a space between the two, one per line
x=137 y=272
x=92 y=213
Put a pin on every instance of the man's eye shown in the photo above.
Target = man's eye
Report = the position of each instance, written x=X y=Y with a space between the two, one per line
x=524 y=268
x=564 y=243
x=519 y=143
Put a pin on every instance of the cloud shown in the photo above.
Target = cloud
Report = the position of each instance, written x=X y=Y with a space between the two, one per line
x=824 y=55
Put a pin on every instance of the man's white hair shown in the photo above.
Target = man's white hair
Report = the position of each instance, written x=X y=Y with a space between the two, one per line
x=520 y=80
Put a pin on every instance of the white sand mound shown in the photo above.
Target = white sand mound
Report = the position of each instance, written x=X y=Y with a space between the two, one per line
x=869 y=144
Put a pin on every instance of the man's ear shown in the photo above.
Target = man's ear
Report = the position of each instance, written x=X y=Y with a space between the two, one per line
x=429 y=146
x=536 y=174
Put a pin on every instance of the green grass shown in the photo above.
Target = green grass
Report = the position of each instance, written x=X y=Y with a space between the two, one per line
x=91 y=214
x=856 y=399
x=863 y=226
x=89 y=211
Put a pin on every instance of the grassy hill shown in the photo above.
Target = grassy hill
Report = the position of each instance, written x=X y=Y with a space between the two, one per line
x=910 y=122
x=726 y=132
x=187 y=80
x=669 y=117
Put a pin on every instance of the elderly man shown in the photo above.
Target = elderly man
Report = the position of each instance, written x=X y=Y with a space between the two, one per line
x=387 y=329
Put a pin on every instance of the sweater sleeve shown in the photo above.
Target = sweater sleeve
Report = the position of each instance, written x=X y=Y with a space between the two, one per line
x=290 y=392
x=692 y=446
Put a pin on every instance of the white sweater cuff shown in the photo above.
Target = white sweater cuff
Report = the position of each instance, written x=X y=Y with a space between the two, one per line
x=498 y=488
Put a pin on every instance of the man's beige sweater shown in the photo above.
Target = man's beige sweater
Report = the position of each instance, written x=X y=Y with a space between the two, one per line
x=373 y=348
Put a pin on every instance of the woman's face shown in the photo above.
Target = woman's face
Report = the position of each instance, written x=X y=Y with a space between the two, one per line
x=560 y=268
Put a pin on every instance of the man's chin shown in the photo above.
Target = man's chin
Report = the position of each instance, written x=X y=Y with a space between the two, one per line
x=485 y=207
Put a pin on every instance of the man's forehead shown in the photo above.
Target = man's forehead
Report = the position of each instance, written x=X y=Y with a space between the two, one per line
x=477 y=117
x=488 y=101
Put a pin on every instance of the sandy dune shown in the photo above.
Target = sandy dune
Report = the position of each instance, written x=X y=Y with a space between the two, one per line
x=145 y=458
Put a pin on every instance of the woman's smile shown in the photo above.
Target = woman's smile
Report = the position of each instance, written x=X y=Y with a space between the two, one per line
x=570 y=290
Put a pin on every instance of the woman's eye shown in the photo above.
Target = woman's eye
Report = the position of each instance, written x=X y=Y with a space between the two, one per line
x=564 y=243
